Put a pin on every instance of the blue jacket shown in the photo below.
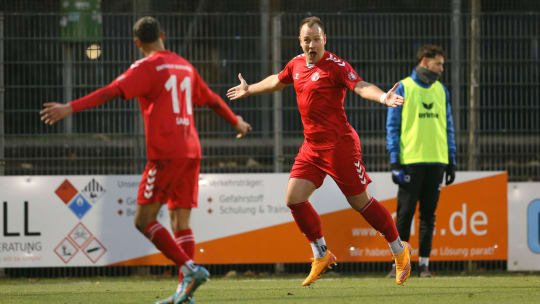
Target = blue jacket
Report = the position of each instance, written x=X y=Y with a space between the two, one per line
x=393 y=125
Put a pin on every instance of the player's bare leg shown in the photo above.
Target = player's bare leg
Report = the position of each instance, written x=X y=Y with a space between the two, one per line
x=146 y=214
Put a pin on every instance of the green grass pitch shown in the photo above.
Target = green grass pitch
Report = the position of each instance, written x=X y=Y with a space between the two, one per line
x=489 y=288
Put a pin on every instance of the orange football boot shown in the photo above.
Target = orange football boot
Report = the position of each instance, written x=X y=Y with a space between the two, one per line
x=320 y=266
x=403 y=264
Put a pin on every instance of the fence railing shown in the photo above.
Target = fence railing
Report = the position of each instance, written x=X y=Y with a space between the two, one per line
x=42 y=61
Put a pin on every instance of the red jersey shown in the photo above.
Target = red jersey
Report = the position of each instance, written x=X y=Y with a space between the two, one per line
x=167 y=87
x=320 y=94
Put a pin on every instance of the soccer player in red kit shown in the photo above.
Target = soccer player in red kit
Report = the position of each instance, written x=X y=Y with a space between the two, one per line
x=167 y=87
x=331 y=146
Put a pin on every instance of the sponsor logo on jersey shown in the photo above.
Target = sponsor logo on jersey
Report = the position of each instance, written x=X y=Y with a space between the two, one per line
x=173 y=67
x=427 y=106
x=428 y=115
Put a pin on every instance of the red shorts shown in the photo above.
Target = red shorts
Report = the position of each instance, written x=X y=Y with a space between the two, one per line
x=171 y=181
x=343 y=163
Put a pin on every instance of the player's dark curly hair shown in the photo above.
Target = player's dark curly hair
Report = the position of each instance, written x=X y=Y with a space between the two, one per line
x=147 y=29
x=429 y=51
x=310 y=22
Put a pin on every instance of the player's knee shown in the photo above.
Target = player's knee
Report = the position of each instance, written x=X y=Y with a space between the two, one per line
x=295 y=198
x=141 y=223
x=293 y=201
x=138 y=225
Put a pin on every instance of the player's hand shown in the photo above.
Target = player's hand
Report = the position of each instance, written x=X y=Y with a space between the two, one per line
x=53 y=112
x=239 y=91
x=392 y=99
x=242 y=127
x=399 y=176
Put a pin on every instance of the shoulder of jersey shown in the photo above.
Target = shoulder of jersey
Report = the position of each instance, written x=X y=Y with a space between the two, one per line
x=332 y=57
x=139 y=62
x=299 y=56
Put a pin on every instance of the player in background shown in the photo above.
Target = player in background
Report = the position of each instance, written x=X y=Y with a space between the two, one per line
x=167 y=87
x=422 y=147
x=331 y=146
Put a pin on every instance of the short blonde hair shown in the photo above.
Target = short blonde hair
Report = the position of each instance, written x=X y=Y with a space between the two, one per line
x=310 y=21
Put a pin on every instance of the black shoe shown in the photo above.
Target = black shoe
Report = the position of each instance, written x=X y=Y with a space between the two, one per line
x=392 y=273
x=424 y=272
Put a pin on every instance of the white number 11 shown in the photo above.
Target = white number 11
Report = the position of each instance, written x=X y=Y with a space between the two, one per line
x=184 y=86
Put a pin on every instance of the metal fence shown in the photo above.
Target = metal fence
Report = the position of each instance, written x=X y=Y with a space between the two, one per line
x=39 y=62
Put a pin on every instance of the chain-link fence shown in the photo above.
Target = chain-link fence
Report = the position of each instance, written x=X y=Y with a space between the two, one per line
x=44 y=57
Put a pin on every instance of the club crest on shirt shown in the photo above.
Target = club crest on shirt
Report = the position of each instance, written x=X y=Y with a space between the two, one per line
x=351 y=76
x=315 y=76
x=296 y=76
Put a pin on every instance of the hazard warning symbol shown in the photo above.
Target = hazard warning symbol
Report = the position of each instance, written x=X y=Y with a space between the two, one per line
x=66 y=250
x=80 y=235
x=80 y=239
x=94 y=250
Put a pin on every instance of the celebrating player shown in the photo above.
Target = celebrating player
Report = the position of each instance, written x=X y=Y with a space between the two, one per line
x=167 y=87
x=331 y=146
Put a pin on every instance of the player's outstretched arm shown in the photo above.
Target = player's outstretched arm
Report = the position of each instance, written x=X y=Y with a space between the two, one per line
x=242 y=127
x=53 y=112
x=268 y=85
x=222 y=109
x=372 y=92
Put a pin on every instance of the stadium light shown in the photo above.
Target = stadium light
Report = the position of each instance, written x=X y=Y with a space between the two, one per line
x=93 y=51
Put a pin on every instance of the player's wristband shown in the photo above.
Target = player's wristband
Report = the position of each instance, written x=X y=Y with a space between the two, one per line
x=382 y=99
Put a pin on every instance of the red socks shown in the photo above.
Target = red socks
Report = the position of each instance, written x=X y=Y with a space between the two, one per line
x=380 y=219
x=163 y=241
x=307 y=220
x=186 y=241
x=375 y=214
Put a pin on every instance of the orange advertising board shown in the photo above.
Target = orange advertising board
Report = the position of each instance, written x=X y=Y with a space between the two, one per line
x=471 y=224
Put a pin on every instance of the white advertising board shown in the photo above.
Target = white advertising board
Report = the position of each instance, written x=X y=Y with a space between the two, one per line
x=523 y=226
x=56 y=221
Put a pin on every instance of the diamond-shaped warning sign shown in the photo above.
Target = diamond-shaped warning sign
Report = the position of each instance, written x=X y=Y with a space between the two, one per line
x=93 y=190
x=66 y=250
x=94 y=250
x=79 y=206
x=66 y=191
x=80 y=235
